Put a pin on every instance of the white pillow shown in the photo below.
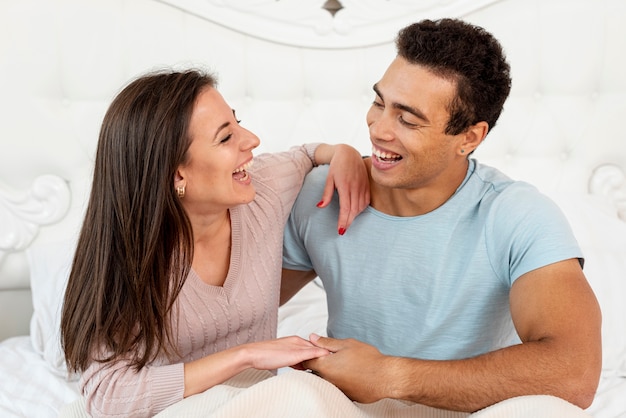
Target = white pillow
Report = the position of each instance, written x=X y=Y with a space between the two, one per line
x=50 y=258
x=50 y=264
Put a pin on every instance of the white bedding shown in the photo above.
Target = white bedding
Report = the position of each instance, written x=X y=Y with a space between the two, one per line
x=29 y=388
x=295 y=75
x=300 y=394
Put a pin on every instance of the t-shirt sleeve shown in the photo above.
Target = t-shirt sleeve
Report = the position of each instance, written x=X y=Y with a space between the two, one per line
x=526 y=231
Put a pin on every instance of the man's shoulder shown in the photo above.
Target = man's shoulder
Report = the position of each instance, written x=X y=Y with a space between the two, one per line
x=314 y=181
x=318 y=175
x=501 y=183
x=305 y=208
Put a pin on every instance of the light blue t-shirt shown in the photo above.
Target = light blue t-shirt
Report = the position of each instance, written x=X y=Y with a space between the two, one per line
x=434 y=286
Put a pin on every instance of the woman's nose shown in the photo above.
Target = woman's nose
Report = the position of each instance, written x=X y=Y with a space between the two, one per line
x=250 y=141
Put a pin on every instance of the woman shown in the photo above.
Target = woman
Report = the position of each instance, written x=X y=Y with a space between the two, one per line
x=175 y=282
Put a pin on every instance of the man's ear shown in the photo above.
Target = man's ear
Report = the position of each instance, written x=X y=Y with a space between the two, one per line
x=473 y=137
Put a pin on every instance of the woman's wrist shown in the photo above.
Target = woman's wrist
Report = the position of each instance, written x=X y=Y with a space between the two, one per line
x=311 y=151
x=324 y=153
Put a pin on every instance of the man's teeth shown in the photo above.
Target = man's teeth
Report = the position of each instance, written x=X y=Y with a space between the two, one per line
x=385 y=156
x=243 y=167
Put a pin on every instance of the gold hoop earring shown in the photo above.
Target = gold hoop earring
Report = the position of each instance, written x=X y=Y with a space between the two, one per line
x=180 y=190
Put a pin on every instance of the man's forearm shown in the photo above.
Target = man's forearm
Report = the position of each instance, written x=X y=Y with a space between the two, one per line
x=542 y=367
x=292 y=281
x=555 y=314
x=473 y=384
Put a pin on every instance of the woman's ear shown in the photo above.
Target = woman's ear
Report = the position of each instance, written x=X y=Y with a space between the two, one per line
x=179 y=180
x=473 y=137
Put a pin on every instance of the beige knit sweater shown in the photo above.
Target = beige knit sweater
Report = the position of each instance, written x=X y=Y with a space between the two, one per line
x=213 y=318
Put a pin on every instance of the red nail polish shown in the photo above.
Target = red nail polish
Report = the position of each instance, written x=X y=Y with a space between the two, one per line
x=342 y=231
x=320 y=203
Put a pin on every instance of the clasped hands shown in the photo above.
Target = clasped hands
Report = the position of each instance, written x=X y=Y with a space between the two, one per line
x=356 y=368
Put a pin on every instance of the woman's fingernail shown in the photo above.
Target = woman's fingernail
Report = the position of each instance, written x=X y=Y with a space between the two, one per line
x=320 y=203
x=342 y=231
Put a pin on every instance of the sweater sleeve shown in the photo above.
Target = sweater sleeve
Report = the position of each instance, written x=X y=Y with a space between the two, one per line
x=282 y=174
x=116 y=390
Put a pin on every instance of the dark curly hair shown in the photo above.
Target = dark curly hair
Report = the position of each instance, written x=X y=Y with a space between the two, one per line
x=467 y=54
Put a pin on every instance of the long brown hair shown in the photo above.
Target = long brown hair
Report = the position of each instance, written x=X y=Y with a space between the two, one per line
x=136 y=245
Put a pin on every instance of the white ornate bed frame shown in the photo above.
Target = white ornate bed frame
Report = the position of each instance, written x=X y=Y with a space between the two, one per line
x=299 y=71
x=296 y=71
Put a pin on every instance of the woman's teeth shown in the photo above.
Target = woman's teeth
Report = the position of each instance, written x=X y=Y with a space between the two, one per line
x=240 y=173
x=243 y=167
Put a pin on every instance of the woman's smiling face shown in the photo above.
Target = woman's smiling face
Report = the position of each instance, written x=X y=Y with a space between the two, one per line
x=214 y=175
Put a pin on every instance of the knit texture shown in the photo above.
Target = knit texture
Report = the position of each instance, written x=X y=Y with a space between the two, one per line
x=209 y=318
x=299 y=394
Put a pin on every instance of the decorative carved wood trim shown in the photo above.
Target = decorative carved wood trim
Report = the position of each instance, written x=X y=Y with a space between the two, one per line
x=22 y=214
x=319 y=24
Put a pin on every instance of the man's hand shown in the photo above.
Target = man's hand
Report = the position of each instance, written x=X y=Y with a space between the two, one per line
x=558 y=320
x=354 y=367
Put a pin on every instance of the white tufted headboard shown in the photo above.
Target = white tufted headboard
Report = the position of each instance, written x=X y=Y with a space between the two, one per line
x=295 y=73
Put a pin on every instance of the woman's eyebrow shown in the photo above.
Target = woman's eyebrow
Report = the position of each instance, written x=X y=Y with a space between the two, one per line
x=219 y=129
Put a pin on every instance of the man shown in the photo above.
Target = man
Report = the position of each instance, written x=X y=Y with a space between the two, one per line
x=458 y=287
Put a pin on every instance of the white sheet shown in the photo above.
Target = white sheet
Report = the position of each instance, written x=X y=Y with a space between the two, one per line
x=255 y=393
x=28 y=387
x=610 y=400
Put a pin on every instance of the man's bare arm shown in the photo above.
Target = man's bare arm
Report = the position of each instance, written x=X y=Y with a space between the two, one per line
x=292 y=281
x=558 y=319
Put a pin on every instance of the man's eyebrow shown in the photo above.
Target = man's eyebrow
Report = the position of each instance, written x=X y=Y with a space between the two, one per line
x=416 y=112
